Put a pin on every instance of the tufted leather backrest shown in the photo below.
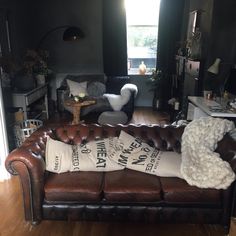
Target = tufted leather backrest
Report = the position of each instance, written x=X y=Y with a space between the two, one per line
x=166 y=138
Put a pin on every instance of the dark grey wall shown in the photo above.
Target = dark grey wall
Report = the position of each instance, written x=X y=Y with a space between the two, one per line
x=223 y=36
x=17 y=23
x=81 y=56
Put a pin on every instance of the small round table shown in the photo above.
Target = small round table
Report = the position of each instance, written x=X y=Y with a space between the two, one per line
x=76 y=108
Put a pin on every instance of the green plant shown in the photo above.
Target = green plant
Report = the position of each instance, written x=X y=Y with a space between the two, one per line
x=35 y=62
x=156 y=81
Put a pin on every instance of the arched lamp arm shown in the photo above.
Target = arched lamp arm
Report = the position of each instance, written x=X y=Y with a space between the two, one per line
x=49 y=32
x=75 y=30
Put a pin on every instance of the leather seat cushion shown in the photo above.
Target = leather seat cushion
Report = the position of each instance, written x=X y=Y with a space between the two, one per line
x=74 y=186
x=176 y=190
x=131 y=186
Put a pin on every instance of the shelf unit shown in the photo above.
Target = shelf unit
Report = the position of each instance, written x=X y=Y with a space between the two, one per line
x=26 y=99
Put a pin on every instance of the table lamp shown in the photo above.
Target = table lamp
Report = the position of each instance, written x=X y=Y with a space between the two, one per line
x=214 y=68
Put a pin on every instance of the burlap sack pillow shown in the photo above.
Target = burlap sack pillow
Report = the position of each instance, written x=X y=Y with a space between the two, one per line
x=93 y=156
x=134 y=154
x=58 y=156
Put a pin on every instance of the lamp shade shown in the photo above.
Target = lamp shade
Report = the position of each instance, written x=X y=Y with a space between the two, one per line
x=214 y=68
x=72 y=33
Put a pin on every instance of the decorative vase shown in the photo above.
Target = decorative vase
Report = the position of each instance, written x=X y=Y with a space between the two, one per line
x=142 y=68
x=40 y=79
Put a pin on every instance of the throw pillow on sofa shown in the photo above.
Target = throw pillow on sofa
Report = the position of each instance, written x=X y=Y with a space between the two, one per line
x=93 y=156
x=133 y=153
x=96 y=89
x=77 y=88
x=112 y=154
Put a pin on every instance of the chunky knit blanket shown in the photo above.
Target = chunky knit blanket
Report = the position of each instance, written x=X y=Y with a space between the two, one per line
x=201 y=166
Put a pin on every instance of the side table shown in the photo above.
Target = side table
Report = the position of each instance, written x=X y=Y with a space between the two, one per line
x=26 y=99
x=77 y=107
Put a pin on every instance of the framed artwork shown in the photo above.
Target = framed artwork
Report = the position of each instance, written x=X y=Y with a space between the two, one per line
x=192 y=23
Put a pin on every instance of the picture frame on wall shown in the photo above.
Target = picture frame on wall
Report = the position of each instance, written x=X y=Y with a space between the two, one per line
x=192 y=23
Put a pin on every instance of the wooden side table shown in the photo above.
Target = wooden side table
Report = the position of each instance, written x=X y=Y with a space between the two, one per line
x=77 y=107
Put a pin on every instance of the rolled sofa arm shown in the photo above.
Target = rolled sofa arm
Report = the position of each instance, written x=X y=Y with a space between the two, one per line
x=28 y=162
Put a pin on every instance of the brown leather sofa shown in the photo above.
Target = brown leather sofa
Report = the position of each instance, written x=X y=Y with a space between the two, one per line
x=119 y=195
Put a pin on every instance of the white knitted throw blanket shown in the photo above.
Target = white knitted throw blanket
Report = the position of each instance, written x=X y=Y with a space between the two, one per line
x=201 y=166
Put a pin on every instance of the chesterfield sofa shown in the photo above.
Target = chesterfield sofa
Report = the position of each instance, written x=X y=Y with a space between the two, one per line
x=124 y=195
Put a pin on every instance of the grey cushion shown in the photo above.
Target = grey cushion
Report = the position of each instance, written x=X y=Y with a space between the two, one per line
x=96 y=89
x=113 y=118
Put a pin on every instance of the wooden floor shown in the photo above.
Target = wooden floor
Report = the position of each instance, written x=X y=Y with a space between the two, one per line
x=145 y=115
x=12 y=221
x=141 y=115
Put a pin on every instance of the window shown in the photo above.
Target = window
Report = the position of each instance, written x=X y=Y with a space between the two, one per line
x=142 y=27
